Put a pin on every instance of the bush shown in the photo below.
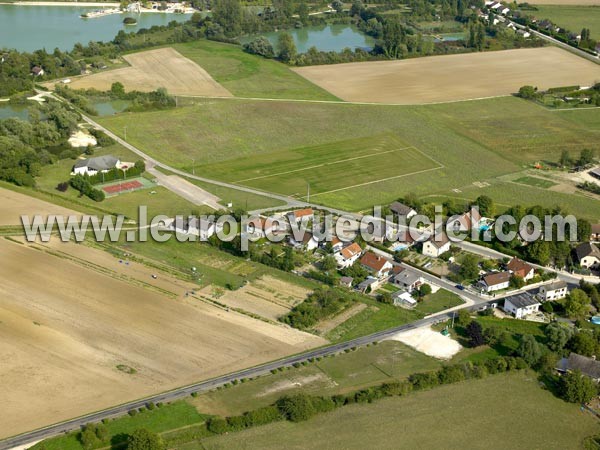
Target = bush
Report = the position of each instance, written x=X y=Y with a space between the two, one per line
x=296 y=408
x=260 y=46
x=62 y=187
x=217 y=425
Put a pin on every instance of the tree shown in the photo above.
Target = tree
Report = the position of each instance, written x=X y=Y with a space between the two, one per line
x=527 y=92
x=337 y=5
x=577 y=388
x=584 y=230
x=287 y=47
x=529 y=349
x=486 y=206
x=328 y=263
x=463 y=318
x=424 y=289
x=583 y=343
x=565 y=159
x=296 y=408
x=475 y=333
x=88 y=437
x=516 y=282
x=539 y=251
x=577 y=304
x=386 y=298
x=303 y=12
x=117 y=89
x=228 y=14
x=260 y=46
x=586 y=157
x=469 y=268
x=142 y=439
x=557 y=336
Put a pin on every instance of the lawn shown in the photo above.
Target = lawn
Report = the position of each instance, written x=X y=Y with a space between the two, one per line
x=439 y=301
x=498 y=412
x=345 y=372
x=246 y=75
x=572 y=17
x=476 y=142
x=536 y=182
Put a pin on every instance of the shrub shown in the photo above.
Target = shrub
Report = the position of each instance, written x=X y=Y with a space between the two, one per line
x=217 y=425
x=296 y=408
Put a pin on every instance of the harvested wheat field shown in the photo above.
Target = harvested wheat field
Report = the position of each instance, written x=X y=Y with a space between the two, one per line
x=66 y=324
x=452 y=77
x=150 y=70
x=15 y=204
x=566 y=2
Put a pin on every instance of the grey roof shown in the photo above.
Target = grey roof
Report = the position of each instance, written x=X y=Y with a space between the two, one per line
x=347 y=281
x=587 y=366
x=400 y=208
x=522 y=300
x=365 y=284
x=556 y=285
x=105 y=162
x=407 y=278
x=587 y=249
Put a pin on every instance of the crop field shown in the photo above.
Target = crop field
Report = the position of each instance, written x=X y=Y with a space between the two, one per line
x=565 y=2
x=509 y=410
x=65 y=339
x=572 y=18
x=476 y=142
x=452 y=77
x=153 y=69
x=328 y=168
x=15 y=204
x=246 y=75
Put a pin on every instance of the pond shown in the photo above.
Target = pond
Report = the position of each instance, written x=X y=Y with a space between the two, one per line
x=111 y=107
x=28 y=27
x=325 y=38
x=8 y=111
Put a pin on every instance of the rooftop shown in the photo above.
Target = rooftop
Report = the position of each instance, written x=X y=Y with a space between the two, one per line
x=494 y=279
x=522 y=300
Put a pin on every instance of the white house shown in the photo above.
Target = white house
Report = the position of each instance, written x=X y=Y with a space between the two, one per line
x=407 y=280
x=403 y=298
x=336 y=244
x=495 y=281
x=520 y=268
x=503 y=10
x=92 y=166
x=588 y=255
x=521 y=305
x=348 y=255
x=260 y=227
x=524 y=33
x=402 y=210
x=435 y=247
x=377 y=265
x=553 y=291
x=193 y=226
x=307 y=243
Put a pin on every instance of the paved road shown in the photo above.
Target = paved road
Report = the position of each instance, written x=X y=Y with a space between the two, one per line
x=116 y=411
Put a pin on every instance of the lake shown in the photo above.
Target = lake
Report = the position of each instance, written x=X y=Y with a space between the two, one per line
x=326 y=38
x=111 y=107
x=28 y=28
x=7 y=111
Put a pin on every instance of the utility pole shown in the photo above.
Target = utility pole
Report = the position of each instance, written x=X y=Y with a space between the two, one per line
x=125 y=131
x=453 y=313
x=308 y=192
x=193 y=166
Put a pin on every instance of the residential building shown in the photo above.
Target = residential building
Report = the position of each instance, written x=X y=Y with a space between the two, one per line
x=495 y=281
x=37 y=71
x=193 y=226
x=407 y=280
x=260 y=227
x=403 y=298
x=92 y=166
x=588 y=255
x=436 y=245
x=348 y=255
x=307 y=243
x=524 y=33
x=465 y=222
x=370 y=284
x=587 y=366
x=336 y=244
x=595 y=234
x=379 y=266
x=553 y=291
x=346 y=281
x=301 y=214
x=402 y=210
x=521 y=305
x=520 y=268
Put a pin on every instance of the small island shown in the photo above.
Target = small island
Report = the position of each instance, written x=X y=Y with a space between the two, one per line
x=130 y=21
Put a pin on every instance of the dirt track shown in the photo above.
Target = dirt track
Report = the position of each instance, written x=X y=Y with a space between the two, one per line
x=452 y=77
x=152 y=69
x=65 y=324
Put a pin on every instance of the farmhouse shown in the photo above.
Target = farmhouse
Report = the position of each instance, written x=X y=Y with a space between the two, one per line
x=588 y=255
x=587 y=366
x=402 y=210
x=521 y=305
x=521 y=269
x=553 y=291
x=348 y=255
x=495 y=281
x=436 y=245
x=402 y=298
x=377 y=265
x=300 y=214
x=92 y=166
x=407 y=280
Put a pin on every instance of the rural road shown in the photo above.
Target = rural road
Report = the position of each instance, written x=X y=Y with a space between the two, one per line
x=176 y=394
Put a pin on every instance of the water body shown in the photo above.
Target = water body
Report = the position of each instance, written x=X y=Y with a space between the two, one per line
x=112 y=107
x=28 y=28
x=13 y=111
x=326 y=38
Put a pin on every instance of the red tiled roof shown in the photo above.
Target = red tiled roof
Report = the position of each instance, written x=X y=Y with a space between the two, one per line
x=351 y=251
x=373 y=261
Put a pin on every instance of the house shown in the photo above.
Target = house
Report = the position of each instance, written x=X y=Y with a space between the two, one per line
x=300 y=214
x=524 y=33
x=595 y=234
x=92 y=166
x=588 y=255
x=511 y=26
x=407 y=280
x=260 y=227
x=436 y=245
x=521 y=305
x=368 y=285
x=336 y=244
x=503 y=10
x=377 y=265
x=402 y=210
x=495 y=281
x=495 y=5
x=348 y=255
x=193 y=226
x=402 y=298
x=520 y=268
x=553 y=291
x=346 y=281
x=307 y=243
x=37 y=71
x=587 y=366
x=464 y=222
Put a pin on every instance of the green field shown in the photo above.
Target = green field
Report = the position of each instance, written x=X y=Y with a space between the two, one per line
x=476 y=142
x=246 y=75
x=536 y=182
x=340 y=374
x=572 y=17
x=498 y=412
x=439 y=301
